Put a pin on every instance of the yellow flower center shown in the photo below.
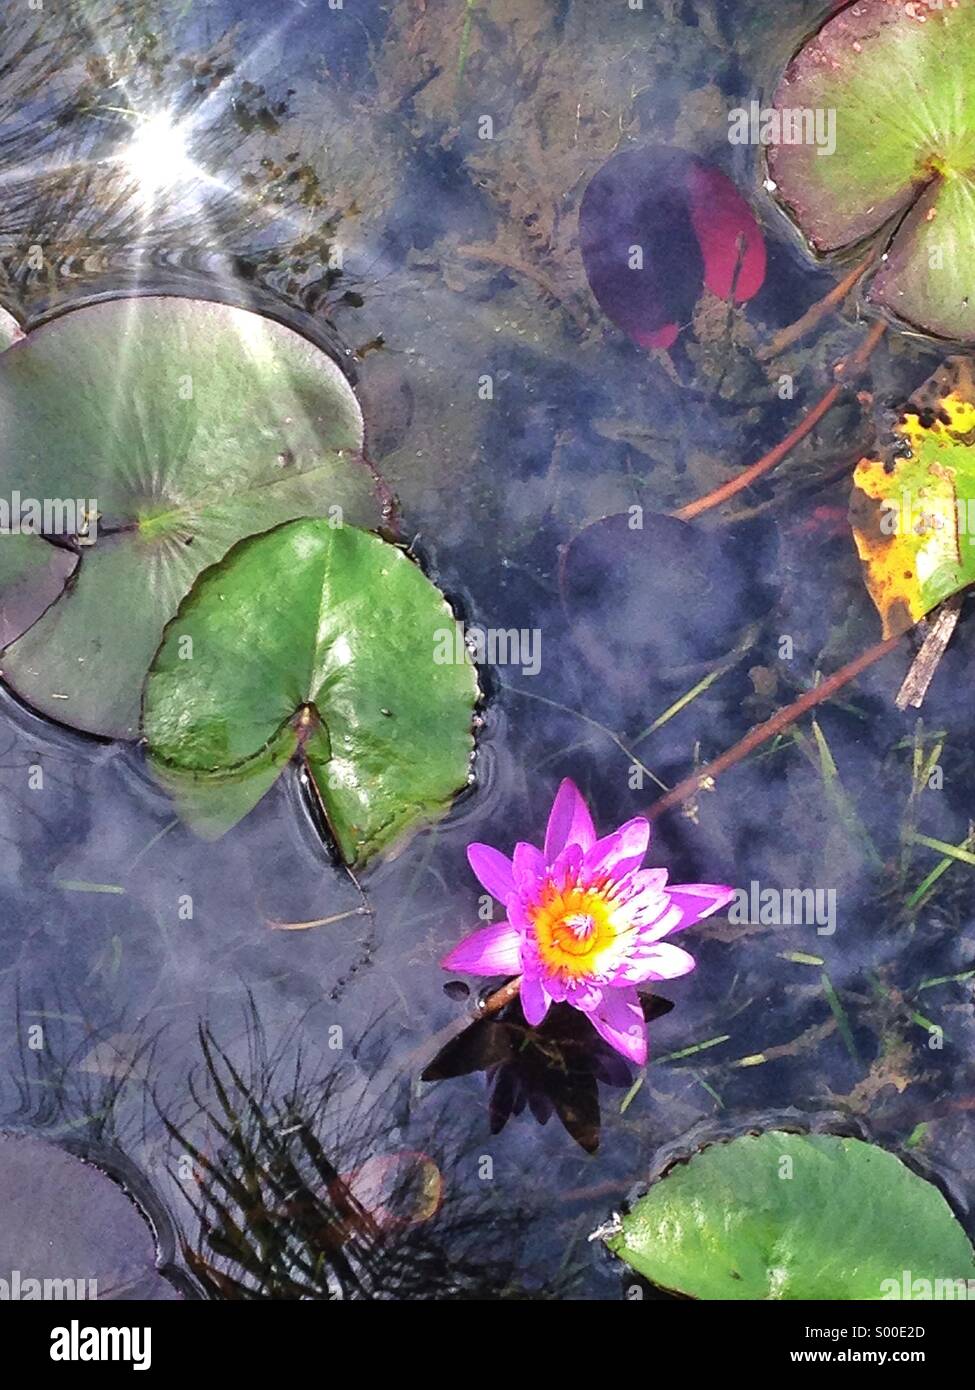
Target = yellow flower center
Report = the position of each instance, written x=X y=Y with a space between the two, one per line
x=574 y=928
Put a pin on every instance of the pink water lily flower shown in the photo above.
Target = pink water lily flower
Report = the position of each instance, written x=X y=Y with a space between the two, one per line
x=585 y=924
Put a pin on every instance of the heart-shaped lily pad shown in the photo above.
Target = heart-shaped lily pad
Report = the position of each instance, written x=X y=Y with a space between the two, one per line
x=913 y=505
x=795 y=1216
x=186 y=426
x=896 y=80
x=323 y=643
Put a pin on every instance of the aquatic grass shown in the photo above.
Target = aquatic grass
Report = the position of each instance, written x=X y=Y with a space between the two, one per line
x=706 y=1086
x=276 y=1204
x=923 y=763
x=75 y=885
x=704 y=777
x=839 y=1013
x=800 y=958
x=679 y=704
x=593 y=723
x=465 y=39
x=693 y=1049
x=922 y=892
x=956 y=852
x=960 y=977
x=843 y=806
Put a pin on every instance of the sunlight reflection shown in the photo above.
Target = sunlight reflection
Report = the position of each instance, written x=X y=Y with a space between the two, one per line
x=157 y=157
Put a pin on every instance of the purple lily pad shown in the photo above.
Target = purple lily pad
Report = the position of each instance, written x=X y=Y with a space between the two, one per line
x=657 y=226
x=70 y=1231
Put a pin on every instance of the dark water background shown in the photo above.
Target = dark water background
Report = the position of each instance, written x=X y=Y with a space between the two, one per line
x=383 y=103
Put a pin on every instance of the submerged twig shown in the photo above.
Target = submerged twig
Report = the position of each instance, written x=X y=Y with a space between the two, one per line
x=939 y=634
x=845 y=371
x=496 y=1001
x=704 y=778
x=792 y=332
x=319 y=921
x=494 y=255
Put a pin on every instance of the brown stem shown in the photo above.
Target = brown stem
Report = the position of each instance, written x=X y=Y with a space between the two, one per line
x=846 y=370
x=792 y=332
x=781 y=720
x=496 y=1001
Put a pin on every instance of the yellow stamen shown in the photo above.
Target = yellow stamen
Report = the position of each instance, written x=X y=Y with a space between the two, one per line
x=575 y=928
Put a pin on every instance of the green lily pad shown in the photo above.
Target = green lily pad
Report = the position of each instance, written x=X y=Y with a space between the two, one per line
x=320 y=644
x=187 y=426
x=899 y=79
x=793 y=1216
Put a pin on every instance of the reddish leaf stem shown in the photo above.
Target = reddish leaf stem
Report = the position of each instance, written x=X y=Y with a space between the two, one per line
x=846 y=371
x=779 y=721
x=792 y=332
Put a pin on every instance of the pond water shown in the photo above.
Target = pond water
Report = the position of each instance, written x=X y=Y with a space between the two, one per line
x=361 y=127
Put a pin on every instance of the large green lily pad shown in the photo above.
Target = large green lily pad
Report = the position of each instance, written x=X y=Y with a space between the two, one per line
x=900 y=80
x=319 y=644
x=189 y=425
x=794 y=1216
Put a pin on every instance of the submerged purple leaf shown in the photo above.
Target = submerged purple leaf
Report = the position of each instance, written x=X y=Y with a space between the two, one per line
x=656 y=227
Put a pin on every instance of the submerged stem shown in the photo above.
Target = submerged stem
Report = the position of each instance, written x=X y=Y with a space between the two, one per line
x=782 y=719
x=792 y=332
x=845 y=371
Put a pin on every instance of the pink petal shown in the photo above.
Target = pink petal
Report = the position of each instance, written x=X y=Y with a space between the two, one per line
x=555 y=987
x=518 y=916
x=493 y=950
x=660 y=961
x=529 y=865
x=493 y=869
x=645 y=879
x=619 y=853
x=646 y=900
x=619 y=1019
x=698 y=900
x=534 y=1000
x=585 y=996
x=565 y=868
x=569 y=822
x=657 y=920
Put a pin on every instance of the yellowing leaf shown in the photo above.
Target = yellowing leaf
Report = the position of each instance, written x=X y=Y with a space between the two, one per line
x=913 y=508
